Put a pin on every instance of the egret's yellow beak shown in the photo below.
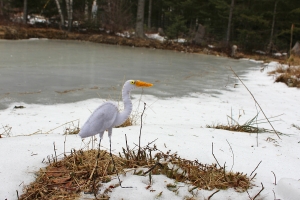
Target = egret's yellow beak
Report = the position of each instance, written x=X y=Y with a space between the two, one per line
x=139 y=83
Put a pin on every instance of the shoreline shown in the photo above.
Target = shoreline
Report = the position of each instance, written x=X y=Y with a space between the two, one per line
x=17 y=32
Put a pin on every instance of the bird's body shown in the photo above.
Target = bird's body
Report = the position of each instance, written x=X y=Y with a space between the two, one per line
x=102 y=119
x=107 y=116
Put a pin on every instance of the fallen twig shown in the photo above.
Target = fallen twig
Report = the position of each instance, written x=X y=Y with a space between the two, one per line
x=210 y=196
x=232 y=155
x=212 y=151
x=149 y=170
x=255 y=168
x=274 y=177
x=262 y=188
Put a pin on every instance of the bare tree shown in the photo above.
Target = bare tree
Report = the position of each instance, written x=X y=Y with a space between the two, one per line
x=270 y=46
x=149 y=14
x=69 y=6
x=1 y=7
x=117 y=15
x=25 y=12
x=62 y=20
x=139 y=28
x=86 y=10
x=229 y=22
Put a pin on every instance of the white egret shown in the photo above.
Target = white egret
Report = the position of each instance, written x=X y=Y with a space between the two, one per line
x=107 y=115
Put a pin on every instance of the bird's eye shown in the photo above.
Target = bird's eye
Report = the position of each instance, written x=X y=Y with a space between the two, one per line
x=132 y=82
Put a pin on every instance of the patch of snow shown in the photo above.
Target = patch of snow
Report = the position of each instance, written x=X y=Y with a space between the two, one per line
x=260 y=52
x=288 y=188
x=155 y=36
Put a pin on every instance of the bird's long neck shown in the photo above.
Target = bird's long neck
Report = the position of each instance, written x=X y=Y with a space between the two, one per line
x=123 y=116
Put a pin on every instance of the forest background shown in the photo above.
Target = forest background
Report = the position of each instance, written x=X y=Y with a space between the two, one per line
x=267 y=25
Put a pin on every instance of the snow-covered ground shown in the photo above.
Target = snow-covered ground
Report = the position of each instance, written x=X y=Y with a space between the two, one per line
x=179 y=125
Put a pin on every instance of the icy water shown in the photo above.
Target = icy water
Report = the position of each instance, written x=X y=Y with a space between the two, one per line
x=54 y=71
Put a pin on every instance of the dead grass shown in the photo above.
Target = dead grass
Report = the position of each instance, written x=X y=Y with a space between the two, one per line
x=294 y=60
x=250 y=126
x=66 y=178
x=68 y=91
x=129 y=122
x=288 y=75
x=6 y=131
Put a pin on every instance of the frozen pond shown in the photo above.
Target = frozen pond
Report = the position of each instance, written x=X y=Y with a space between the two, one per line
x=54 y=71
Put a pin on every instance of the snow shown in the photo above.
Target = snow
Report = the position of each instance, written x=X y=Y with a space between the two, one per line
x=288 y=188
x=156 y=36
x=179 y=125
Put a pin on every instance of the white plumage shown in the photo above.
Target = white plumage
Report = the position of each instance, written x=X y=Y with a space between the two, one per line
x=107 y=116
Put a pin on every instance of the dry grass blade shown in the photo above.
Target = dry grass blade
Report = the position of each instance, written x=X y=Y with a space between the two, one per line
x=7 y=130
x=249 y=126
x=255 y=102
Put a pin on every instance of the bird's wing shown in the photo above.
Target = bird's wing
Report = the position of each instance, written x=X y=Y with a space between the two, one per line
x=101 y=119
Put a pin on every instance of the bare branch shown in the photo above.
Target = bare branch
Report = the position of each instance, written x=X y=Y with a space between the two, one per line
x=212 y=151
x=255 y=168
x=232 y=155
x=210 y=196
x=262 y=188
x=157 y=163
x=274 y=177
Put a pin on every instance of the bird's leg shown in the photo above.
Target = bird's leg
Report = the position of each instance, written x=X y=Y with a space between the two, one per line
x=113 y=161
x=98 y=156
x=94 y=172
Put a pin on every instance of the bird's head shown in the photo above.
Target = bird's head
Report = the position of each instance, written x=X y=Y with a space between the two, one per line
x=131 y=84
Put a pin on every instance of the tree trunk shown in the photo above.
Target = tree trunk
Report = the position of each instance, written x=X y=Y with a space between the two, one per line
x=86 y=10
x=149 y=14
x=1 y=7
x=25 y=12
x=139 y=28
x=70 y=15
x=69 y=6
x=68 y=12
x=270 y=46
x=60 y=13
x=229 y=22
x=95 y=11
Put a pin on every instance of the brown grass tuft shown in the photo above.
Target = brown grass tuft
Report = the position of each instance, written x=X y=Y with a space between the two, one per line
x=250 y=126
x=288 y=75
x=129 y=122
x=66 y=178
